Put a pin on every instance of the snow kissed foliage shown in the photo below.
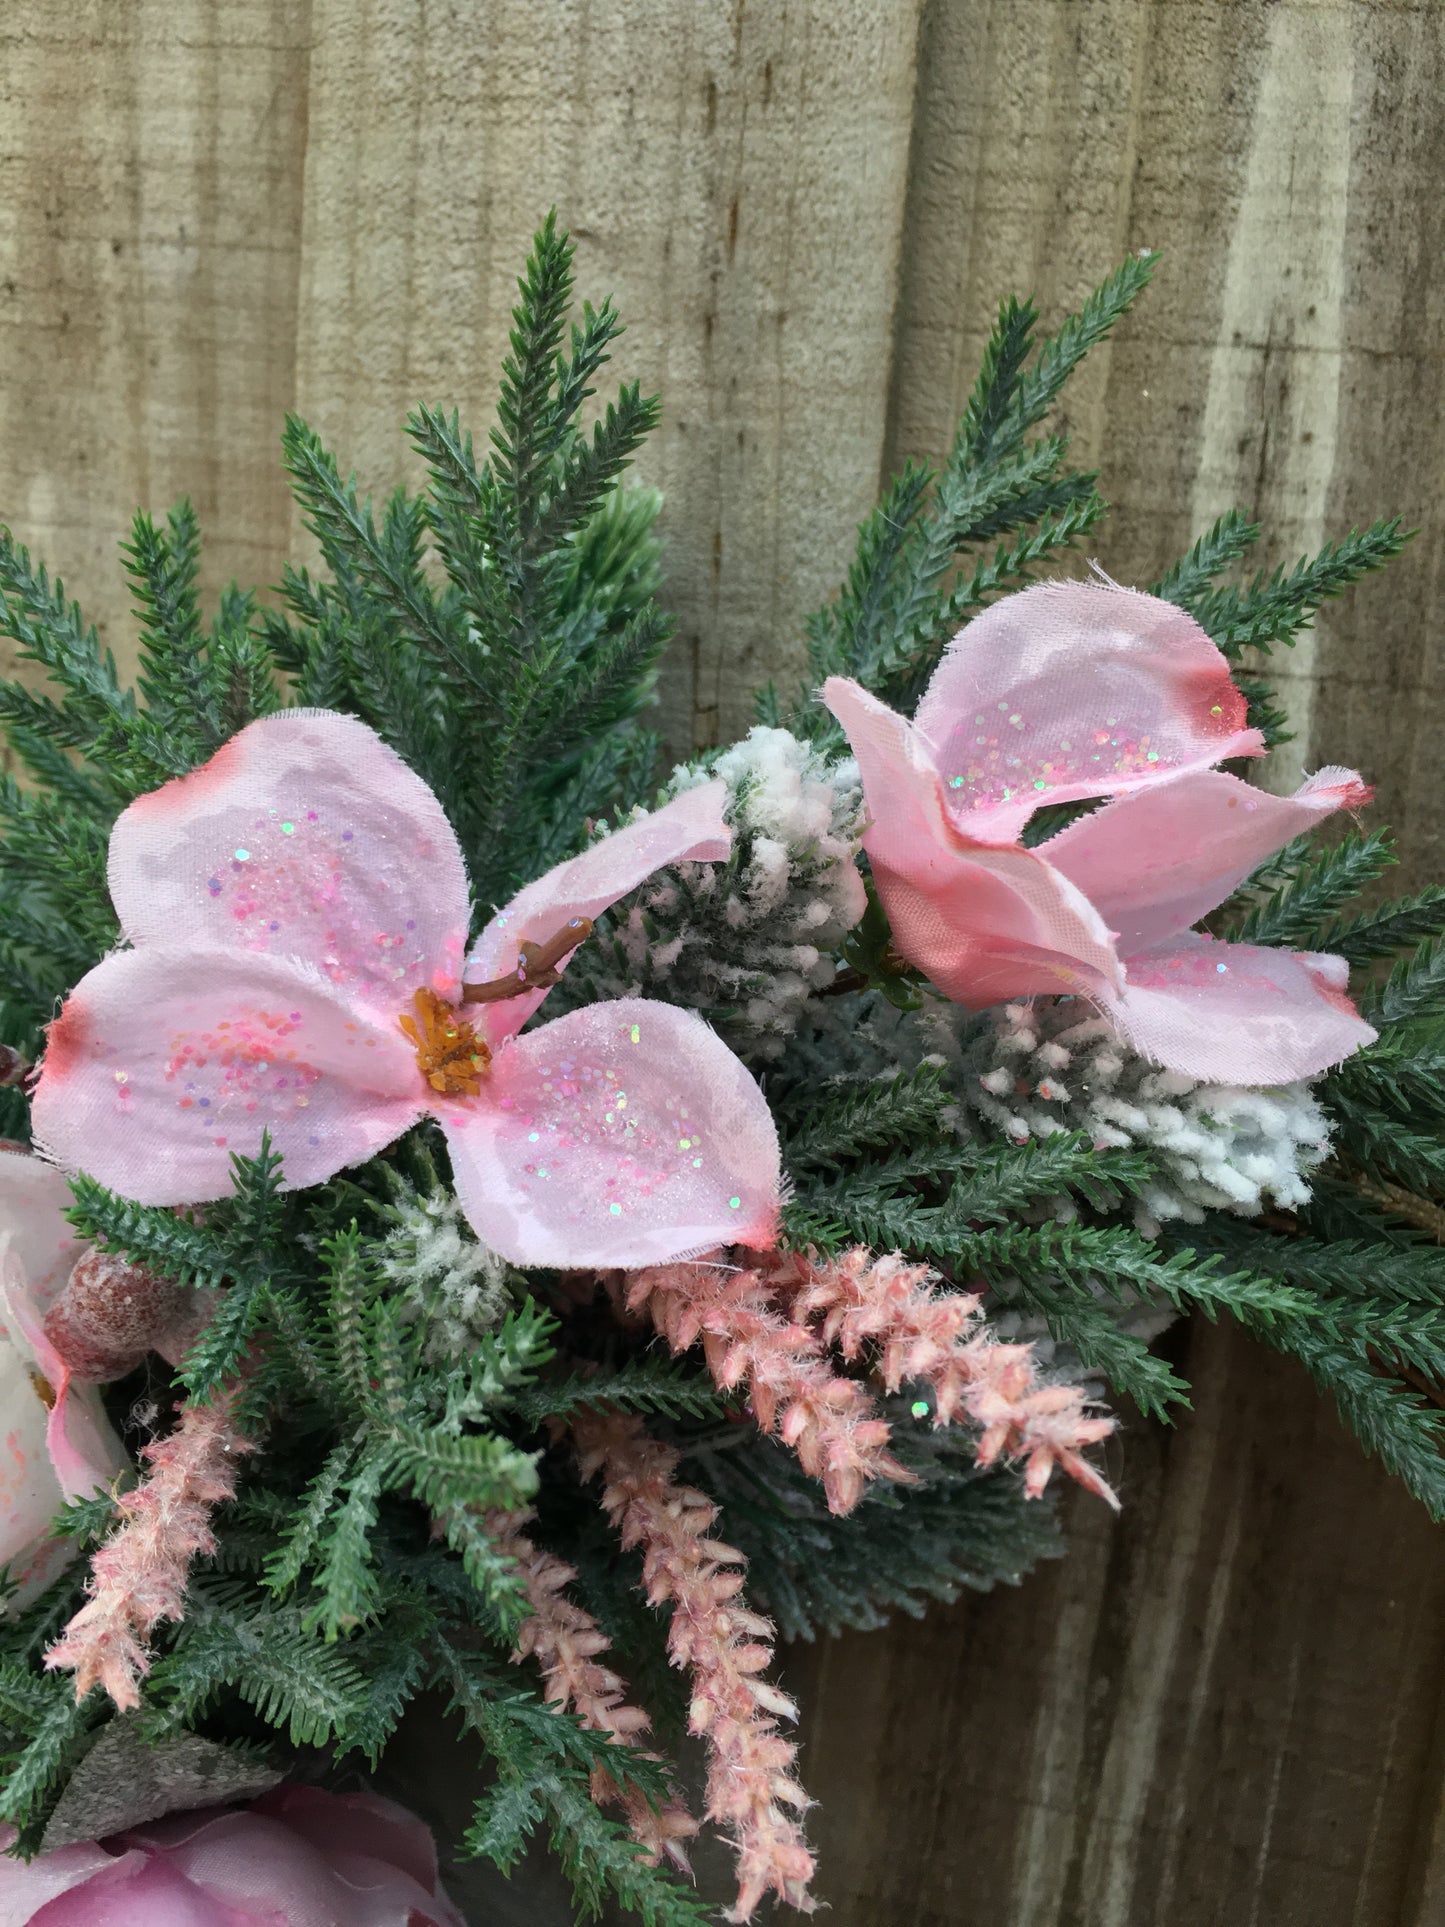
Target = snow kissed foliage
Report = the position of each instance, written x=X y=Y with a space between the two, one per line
x=581 y=1505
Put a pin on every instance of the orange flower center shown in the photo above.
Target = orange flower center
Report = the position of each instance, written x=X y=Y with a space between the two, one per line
x=449 y=1053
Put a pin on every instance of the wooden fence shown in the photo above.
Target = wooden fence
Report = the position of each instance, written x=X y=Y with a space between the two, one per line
x=1228 y=1708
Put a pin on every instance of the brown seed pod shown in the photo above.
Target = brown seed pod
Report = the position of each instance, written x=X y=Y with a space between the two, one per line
x=111 y=1313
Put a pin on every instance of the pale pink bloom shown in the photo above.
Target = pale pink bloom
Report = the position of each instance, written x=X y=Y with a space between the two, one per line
x=138 y=1578
x=298 y=911
x=568 y=1644
x=55 y=1440
x=751 y=1790
x=793 y=1386
x=299 y=1857
x=1065 y=692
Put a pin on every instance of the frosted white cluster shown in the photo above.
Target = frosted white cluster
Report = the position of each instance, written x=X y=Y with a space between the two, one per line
x=754 y=936
x=1032 y=1070
x=431 y=1256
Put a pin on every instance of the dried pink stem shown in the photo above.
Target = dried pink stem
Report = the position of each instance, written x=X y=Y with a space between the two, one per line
x=566 y=1642
x=139 y=1576
x=725 y=1647
x=888 y=1305
x=793 y=1388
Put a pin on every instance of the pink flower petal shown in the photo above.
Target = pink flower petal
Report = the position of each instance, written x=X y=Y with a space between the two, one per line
x=30 y=1493
x=357 y=1823
x=132 y=1891
x=983 y=922
x=626 y=1133
x=303 y=836
x=1154 y=863
x=689 y=829
x=26 y=1886
x=258 y=1863
x=33 y=1199
x=84 y=1451
x=167 y=1060
x=1234 y=1013
x=1075 y=689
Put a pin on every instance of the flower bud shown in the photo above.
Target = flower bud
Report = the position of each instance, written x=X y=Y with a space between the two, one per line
x=111 y=1313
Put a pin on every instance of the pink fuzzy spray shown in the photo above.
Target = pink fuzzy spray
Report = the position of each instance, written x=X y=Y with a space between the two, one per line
x=139 y=1576
x=752 y=1339
x=751 y=1790
x=773 y=1330
x=566 y=1642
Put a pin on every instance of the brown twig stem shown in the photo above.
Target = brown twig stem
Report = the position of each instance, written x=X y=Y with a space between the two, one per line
x=536 y=966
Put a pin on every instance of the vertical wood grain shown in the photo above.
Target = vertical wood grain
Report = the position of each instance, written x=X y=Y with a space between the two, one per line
x=1235 y=1693
x=150 y=195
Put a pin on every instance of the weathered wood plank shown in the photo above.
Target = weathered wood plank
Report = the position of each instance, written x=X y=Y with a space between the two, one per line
x=1229 y=1708
x=150 y=194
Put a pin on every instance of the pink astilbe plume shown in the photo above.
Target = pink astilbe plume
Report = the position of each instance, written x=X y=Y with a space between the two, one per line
x=888 y=1305
x=792 y=1384
x=750 y=1785
x=772 y=1330
x=139 y=1576
x=566 y=1642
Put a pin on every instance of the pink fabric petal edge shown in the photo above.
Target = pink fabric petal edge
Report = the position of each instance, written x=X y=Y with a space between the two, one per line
x=1155 y=862
x=306 y=836
x=260 y=1858
x=166 y=1060
x=689 y=829
x=1068 y=690
x=362 y=1823
x=1229 y=1013
x=626 y=1133
x=27 y=1886
x=982 y=921
x=136 y=1890
x=34 y=1198
x=84 y=1449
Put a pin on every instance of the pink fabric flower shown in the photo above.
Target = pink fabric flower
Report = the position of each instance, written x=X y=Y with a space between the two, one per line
x=1071 y=691
x=298 y=1858
x=298 y=911
x=57 y=1442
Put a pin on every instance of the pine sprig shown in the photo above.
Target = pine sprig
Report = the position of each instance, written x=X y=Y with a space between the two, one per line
x=1232 y=536
x=896 y=610
x=543 y=1760
x=1275 y=606
x=1298 y=913
x=176 y=679
x=1388 y=930
x=1415 y=988
x=659 y=1387
x=1391 y=1421
x=853 y=1119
